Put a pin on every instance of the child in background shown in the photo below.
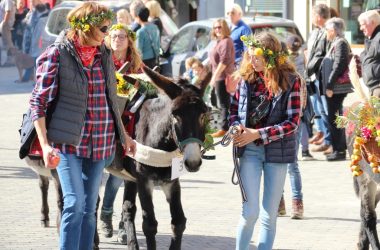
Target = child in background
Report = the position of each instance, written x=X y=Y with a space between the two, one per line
x=189 y=71
x=200 y=72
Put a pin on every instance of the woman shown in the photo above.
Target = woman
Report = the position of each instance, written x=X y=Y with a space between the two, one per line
x=335 y=90
x=222 y=63
x=85 y=123
x=121 y=41
x=154 y=8
x=268 y=146
x=148 y=38
x=18 y=26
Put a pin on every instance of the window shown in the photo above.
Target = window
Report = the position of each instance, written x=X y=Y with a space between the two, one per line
x=182 y=42
x=349 y=11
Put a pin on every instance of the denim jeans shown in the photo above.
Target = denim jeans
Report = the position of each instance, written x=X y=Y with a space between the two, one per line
x=294 y=172
x=80 y=181
x=320 y=110
x=110 y=191
x=304 y=136
x=252 y=166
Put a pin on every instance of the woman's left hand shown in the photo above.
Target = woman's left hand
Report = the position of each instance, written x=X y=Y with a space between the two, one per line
x=329 y=93
x=130 y=146
x=247 y=136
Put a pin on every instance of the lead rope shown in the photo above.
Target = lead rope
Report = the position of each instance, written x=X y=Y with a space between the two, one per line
x=225 y=141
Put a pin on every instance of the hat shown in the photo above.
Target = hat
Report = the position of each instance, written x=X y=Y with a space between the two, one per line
x=294 y=42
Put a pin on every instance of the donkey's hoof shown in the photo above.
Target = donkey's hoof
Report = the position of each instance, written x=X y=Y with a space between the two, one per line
x=45 y=223
x=122 y=237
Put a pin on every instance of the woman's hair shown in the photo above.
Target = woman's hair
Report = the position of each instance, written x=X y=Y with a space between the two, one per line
x=154 y=8
x=136 y=61
x=93 y=15
x=277 y=76
x=337 y=24
x=370 y=16
x=225 y=29
x=125 y=14
x=334 y=12
x=189 y=61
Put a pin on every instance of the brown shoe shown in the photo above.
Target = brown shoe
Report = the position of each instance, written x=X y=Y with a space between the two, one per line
x=328 y=151
x=297 y=210
x=320 y=148
x=281 y=207
x=316 y=137
x=219 y=133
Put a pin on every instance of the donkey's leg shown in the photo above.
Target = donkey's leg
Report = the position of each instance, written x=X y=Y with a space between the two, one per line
x=368 y=190
x=173 y=196
x=127 y=229
x=145 y=190
x=44 y=186
x=59 y=194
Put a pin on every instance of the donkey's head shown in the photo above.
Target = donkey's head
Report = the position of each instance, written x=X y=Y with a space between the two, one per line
x=188 y=116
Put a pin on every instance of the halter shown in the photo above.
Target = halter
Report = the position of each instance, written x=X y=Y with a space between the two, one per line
x=181 y=144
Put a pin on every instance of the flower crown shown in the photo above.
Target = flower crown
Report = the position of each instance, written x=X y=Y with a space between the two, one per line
x=85 y=23
x=120 y=26
x=260 y=50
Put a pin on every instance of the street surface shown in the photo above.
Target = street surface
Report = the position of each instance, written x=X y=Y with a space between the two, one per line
x=212 y=204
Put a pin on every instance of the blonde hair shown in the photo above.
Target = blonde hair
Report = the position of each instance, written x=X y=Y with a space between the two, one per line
x=278 y=77
x=370 y=16
x=154 y=8
x=85 y=10
x=189 y=61
x=225 y=29
x=124 y=13
x=136 y=61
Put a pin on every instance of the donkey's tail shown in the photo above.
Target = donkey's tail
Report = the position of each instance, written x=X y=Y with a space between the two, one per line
x=356 y=186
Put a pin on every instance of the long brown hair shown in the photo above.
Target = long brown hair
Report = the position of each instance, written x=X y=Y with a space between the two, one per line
x=277 y=77
x=84 y=10
x=225 y=29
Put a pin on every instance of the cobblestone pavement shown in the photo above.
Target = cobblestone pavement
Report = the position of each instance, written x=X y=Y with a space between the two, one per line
x=212 y=204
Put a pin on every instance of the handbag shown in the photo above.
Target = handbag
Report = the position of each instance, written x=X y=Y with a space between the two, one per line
x=260 y=107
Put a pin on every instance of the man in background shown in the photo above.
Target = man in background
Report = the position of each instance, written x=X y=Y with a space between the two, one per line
x=7 y=18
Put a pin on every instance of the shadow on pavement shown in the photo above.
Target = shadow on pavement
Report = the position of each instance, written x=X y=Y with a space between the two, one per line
x=332 y=219
x=7 y=172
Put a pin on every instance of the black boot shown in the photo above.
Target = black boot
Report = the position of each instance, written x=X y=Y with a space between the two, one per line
x=337 y=156
x=106 y=225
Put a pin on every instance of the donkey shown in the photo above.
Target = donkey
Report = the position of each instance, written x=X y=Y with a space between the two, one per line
x=174 y=120
x=367 y=188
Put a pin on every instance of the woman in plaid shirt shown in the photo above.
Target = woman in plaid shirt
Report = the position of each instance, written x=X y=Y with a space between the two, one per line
x=268 y=146
x=76 y=74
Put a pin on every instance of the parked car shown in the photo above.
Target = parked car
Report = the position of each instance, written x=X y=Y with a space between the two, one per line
x=57 y=20
x=193 y=39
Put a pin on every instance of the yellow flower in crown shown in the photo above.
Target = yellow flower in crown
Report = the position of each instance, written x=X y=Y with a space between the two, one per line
x=86 y=27
x=270 y=52
x=258 y=52
x=85 y=23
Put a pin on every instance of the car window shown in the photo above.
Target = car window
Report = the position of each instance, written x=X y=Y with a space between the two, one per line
x=170 y=28
x=183 y=41
x=57 y=21
x=201 y=38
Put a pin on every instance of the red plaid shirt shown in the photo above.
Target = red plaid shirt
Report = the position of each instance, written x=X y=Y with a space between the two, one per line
x=98 y=132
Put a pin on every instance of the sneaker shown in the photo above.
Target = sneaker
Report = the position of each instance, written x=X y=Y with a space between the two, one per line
x=297 y=210
x=219 y=133
x=306 y=156
x=106 y=225
x=320 y=148
x=281 y=207
x=336 y=156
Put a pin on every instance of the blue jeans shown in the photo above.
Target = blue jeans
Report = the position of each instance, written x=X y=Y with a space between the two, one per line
x=110 y=191
x=320 y=110
x=252 y=166
x=294 y=172
x=304 y=136
x=80 y=181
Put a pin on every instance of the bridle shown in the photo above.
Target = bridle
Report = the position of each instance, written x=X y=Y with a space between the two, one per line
x=181 y=144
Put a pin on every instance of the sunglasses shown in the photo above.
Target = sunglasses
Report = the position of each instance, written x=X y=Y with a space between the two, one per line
x=104 y=29
x=217 y=27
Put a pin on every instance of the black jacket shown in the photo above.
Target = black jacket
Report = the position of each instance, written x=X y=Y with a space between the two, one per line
x=370 y=59
x=317 y=52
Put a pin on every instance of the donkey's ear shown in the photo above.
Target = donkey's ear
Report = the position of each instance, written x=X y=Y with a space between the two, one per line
x=204 y=82
x=164 y=83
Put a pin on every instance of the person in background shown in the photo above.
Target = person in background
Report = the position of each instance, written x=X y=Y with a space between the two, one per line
x=136 y=4
x=189 y=73
x=340 y=52
x=222 y=61
x=269 y=145
x=121 y=41
x=41 y=16
x=86 y=122
x=7 y=19
x=316 y=50
x=370 y=57
x=123 y=16
x=148 y=38
x=18 y=26
x=200 y=73
x=334 y=12
x=239 y=28
x=154 y=8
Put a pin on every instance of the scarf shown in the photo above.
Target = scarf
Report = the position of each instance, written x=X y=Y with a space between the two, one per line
x=86 y=53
